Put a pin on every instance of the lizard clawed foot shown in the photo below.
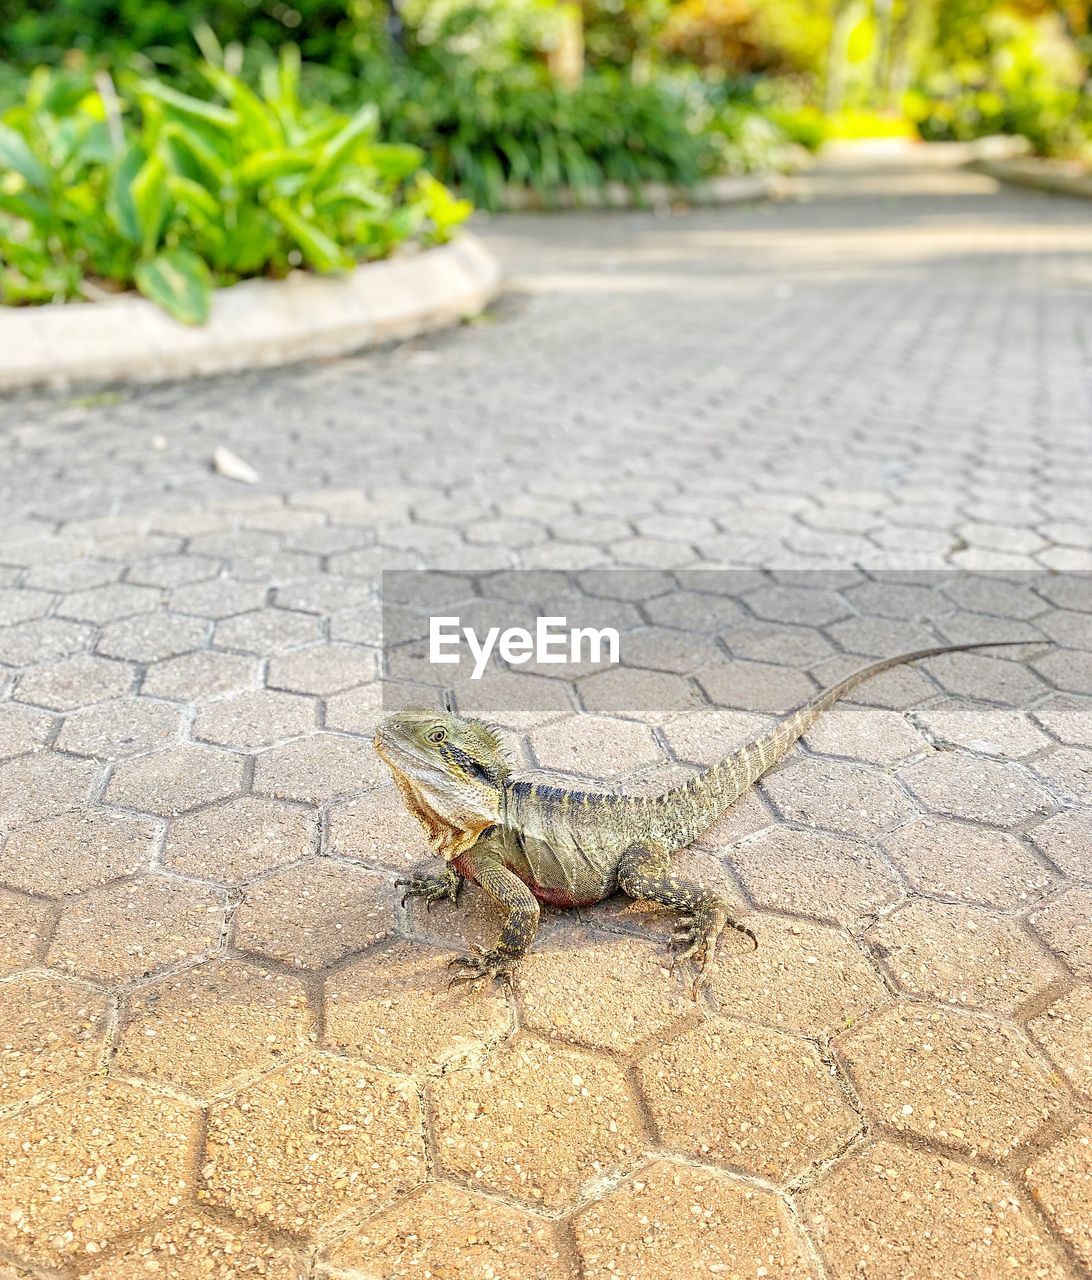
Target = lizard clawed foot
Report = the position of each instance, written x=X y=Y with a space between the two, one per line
x=696 y=934
x=431 y=888
x=486 y=964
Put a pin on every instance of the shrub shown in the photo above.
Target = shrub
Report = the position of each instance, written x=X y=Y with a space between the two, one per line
x=174 y=193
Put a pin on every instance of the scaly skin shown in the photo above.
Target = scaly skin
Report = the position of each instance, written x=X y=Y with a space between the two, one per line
x=526 y=841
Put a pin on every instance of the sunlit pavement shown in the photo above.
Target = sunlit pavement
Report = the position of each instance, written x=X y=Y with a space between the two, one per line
x=226 y=1049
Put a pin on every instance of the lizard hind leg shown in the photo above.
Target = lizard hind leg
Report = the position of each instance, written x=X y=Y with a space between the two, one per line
x=647 y=873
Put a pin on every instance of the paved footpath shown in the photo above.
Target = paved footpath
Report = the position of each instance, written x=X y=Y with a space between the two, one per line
x=226 y=1050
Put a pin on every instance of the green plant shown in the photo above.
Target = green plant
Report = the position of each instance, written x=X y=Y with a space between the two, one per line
x=175 y=193
x=484 y=133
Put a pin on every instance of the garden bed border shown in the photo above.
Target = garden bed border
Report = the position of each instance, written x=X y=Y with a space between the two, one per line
x=253 y=324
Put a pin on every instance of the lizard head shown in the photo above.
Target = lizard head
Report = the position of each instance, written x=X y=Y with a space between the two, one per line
x=450 y=771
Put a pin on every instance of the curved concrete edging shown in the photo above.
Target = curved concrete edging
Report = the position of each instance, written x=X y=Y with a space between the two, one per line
x=253 y=324
x=1054 y=176
x=616 y=195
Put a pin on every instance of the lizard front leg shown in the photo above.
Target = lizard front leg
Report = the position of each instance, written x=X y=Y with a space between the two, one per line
x=432 y=888
x=647 y=873
x=520 y=926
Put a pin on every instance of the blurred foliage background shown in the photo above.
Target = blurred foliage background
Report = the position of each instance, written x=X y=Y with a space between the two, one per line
x=552 y=99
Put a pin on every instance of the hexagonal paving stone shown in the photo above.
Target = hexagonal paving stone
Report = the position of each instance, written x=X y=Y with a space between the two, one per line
x=974 y=864
x=973 y=675
x=377 y=828
x=803 y=977
x=868 y=734
x=43 y=784
x=267 y=631
x=1066 y=839
x=170 y=782
x=22 y=729
x=1066 y=926
x=992 y=731
x=127 y=930
x=360 y=710
x=318 y=768
x=75 y=851
x=539 y=1124
x=173 y=570
x=965 y=786
x=202 y=1028
x=1068 y=717
x=801 y=605
x=1066 y=669
x=708 y=735
x=393 y=1008
x=190 y=1245
x=122 y=727
x=749 y=1097
x=22 y=605
x=113 y=1157
x=675 y=1220
x=963 y=1221
x=315 y=913
x=629 y=691
x=151 y=637
x=810 y=874
x=599 y=989
x=323 y=669
x=837 y=797
x=41 y=640
x=237 y=841
x=312 y=1141
x=693 y=611
x=594 y=746
x=662 y=649
x=962 y=955
x=220 y=597
x=1068 y=770
x=205 y=674
x=27 y=923
x=756 y=686
x=109 y=603
x=443 y=1231
x=1064 y=1030
x=515 y=700
x=74 y=682
x=1060 y=1181
x=896 y=689
x=255 y=719
x=51 y=1033
x=797 y=647
x=947 y=1075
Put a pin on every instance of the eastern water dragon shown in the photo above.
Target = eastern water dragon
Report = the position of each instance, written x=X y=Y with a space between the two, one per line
x=526 y=840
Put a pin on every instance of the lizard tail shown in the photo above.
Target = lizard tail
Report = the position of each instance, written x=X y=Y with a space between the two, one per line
x=687 y=811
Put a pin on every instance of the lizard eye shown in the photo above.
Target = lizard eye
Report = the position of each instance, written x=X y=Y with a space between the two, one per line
x=437 y=735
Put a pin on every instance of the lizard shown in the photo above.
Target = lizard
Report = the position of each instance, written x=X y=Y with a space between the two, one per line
x=526 y=840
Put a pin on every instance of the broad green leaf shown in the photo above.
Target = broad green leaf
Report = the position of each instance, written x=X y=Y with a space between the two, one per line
x=150 y=201
x=121 y=204
x=443 y=209
x=186 y=105
x=215 y=171
x=362 y=124
x=319 y=250
x=260 y=166
x=396 y=160
x=256 y=122
x=179 y=282
x=249 y=242
x=16 y=154
x=186 y=191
